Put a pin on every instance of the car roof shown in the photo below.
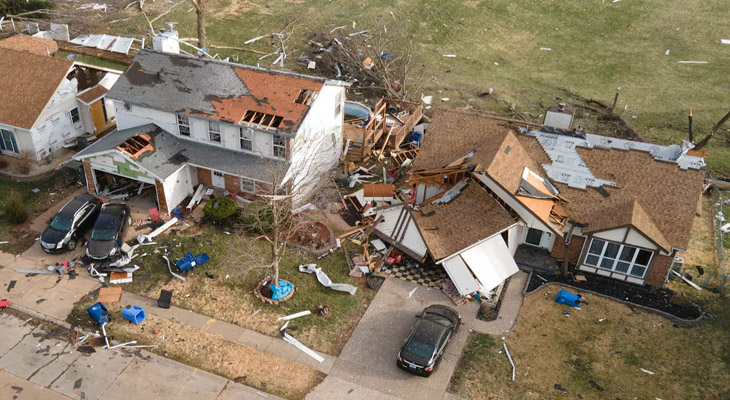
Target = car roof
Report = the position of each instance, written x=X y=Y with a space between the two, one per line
x=428 y=332
x=70 y=209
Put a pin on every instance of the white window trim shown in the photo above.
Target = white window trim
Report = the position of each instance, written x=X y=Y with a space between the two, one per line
x=212 y=132
x=274 y=147
x=242 y=178
x=632 y=263
x=241 y=130
x=186 y=124
x=527 y=233
x=13 y=149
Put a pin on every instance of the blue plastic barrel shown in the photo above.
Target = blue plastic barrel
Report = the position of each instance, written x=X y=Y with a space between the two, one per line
x=567 y=298
x=135 y=314
x=98 y=313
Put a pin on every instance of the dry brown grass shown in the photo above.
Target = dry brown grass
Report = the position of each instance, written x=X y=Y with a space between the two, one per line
x=701 y=249
x=244 y=364
x=687 y=363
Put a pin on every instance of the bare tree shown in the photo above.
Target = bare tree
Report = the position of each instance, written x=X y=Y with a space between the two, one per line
x=276 y=216
x=200 y=12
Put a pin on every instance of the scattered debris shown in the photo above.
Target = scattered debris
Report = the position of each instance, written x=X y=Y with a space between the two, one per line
x=296 y=315
x=165 y=299
x=170 y=269
x=509 y=357
x=11 y=285
x=110 y=295
x=325 y=280
x=646 y=371
x=289 y=339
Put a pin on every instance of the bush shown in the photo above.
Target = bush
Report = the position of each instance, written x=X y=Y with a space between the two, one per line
x=15 y=209
x=220 y=209
x=21 y=6
x=257 y=217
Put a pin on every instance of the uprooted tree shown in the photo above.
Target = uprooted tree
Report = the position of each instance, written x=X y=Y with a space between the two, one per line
x=700 y=144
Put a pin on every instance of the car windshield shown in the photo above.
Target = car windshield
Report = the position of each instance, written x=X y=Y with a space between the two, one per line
x=104 y=228
x=62 y=224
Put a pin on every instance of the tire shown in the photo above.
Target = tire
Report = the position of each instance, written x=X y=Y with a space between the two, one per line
x=71 y=244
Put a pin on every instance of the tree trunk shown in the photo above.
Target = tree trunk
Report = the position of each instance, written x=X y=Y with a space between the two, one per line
x=691 y=133
x=200 y=11
x=275 y=243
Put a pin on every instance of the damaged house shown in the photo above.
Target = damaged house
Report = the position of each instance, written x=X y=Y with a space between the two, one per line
x=486 y=188
x=53 y=100
x=184 y=122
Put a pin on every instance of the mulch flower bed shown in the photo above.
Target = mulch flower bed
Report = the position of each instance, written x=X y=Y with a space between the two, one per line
x=661 y=299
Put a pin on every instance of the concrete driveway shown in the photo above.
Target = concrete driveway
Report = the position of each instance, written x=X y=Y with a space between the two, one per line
x=366 y=367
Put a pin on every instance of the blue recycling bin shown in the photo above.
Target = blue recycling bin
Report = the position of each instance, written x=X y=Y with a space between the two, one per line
x=567 y=298
x=135 y=314
x=98 y=313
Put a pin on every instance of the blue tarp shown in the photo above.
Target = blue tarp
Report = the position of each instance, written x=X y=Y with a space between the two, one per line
x=278 y=293
x=567 y=298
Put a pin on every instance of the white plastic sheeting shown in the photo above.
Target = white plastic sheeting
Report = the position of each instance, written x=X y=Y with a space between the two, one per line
x=325 y=280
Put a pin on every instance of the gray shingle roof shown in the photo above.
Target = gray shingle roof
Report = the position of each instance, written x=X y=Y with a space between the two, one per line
x=171 y=153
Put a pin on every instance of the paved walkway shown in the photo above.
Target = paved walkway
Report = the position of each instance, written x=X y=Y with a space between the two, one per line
x=35 y=365
x=508 y=310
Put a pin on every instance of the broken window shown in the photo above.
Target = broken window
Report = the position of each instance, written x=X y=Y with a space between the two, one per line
x=279 y=147
x=267 y=121
x=248 y=185
x=183 y=125
x=534 y=236
x=618 y=257
x=75 y=117
x=246 y=135
x=214 y=132
x=305 y=96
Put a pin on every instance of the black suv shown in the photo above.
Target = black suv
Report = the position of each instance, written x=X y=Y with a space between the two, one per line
x=107 y=235
x=425 y=344
x=66 y=227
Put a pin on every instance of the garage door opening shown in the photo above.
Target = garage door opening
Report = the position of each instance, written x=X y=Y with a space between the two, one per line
x=140 y=196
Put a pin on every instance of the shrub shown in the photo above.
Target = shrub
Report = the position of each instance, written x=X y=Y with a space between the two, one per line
x=21 y=6
x=257 y=217
x=15 y=209
x=220 y=209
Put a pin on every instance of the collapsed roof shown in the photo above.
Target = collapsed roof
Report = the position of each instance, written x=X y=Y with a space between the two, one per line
x=654 y=188
x=217 y=90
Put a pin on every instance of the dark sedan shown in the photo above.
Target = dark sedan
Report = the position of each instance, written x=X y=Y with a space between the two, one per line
x=425 y=344
x=66 y=227
x=106 y=237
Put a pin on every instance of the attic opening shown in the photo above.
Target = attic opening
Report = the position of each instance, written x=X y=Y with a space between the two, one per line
x=305 y=96
x=267 y=121
x=137 y=145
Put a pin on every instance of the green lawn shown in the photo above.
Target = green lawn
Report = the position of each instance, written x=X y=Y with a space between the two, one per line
x=597 y=46
x=94 y=61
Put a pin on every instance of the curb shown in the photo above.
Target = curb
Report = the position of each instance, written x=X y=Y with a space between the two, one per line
x=37 y=315
x=685 y=323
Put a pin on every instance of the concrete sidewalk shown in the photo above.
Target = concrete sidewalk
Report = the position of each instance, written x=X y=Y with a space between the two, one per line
x=37 y=365
x=508 y=310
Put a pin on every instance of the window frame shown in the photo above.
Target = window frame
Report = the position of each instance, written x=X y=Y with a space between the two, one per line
x=339 y=105
x=600 y=256
x=77 y=118
x=214 y=132
x=11 y=137
x=248 y=181
x=186 y=124
x=241 y=139
x=527 y=235
x=281 y=147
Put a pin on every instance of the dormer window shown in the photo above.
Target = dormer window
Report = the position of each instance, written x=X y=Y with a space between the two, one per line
x=214 y=132
x=183 y=125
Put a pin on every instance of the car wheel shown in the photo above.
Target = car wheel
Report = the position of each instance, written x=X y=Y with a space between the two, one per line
x=71 y=244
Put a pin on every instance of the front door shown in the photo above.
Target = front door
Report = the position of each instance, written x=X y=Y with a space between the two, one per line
x=218 y=180
x=97 y=114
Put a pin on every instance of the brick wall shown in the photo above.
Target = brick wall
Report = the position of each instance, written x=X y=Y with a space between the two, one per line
x=89 y=178
x=658 y=269
x=161 y=199
x=204 y=177
x=233 y=183
x=574 y=248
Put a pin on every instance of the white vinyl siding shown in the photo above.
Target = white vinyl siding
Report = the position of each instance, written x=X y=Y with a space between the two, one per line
x=618 y=257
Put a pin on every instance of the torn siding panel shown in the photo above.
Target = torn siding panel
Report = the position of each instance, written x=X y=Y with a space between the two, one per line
x=117 y=164
x=398 y=228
